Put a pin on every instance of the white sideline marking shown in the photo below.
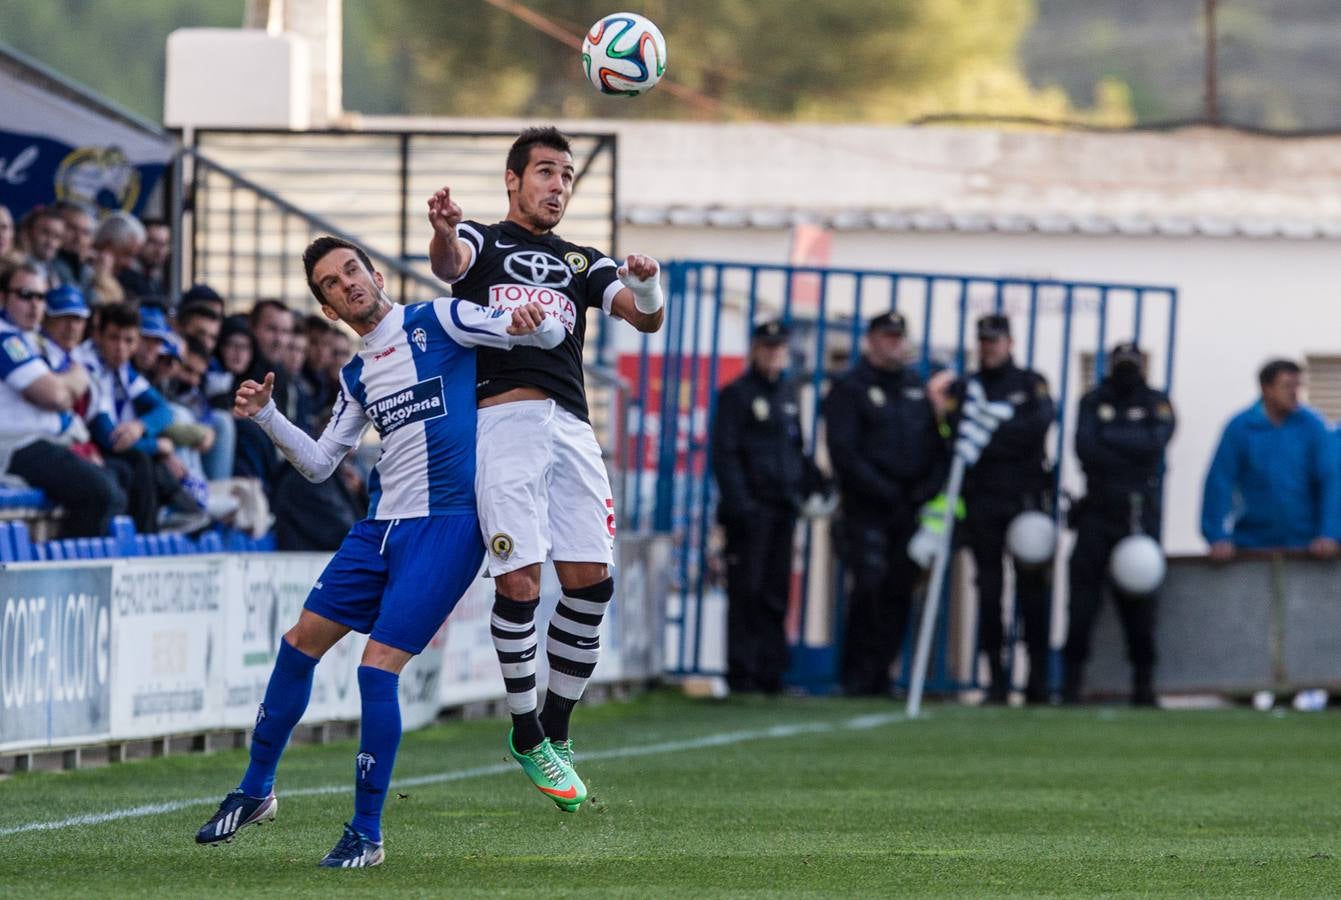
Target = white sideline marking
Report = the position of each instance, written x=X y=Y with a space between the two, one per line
x=711 y=740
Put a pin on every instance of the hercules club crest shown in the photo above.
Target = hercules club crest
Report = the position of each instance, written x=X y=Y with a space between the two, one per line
x=420 y=339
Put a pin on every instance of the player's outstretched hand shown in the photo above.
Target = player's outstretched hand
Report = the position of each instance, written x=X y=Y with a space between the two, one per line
x=526 y=319
x=251 y=397
x=444 y=214
x=640 y=267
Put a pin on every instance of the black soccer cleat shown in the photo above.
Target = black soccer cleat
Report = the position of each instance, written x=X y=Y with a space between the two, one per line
x=353 y=851
x=236 y=812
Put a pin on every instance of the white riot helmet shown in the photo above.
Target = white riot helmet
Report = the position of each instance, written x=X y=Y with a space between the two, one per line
x=1032 y=538
x=1137 y=564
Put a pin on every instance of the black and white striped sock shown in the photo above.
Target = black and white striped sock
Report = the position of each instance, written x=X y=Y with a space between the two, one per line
x=512 y=626
x=573 y=645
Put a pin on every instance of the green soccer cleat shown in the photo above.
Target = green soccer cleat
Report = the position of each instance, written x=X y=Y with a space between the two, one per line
x=551 y=775
x=564 y=751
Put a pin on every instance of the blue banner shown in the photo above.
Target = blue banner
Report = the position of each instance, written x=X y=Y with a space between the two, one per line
x=36 y=171
x=55 y=652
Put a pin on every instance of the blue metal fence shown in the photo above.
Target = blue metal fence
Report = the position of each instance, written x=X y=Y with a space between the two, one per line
x=1059 y=325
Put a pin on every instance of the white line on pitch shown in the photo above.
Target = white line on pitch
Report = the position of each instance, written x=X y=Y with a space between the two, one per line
x=711 y=740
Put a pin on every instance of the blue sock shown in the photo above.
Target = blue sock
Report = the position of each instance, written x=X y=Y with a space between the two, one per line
x=379 y=737
x=285 y=701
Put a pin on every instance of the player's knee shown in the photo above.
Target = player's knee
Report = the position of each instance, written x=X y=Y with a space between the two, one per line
x=578 y=575
x=521 y=584
x=381 y=656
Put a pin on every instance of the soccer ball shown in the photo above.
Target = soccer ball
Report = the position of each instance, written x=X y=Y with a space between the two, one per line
x=624 y=54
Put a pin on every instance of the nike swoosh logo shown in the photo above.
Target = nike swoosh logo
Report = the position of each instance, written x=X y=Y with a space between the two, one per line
x=588 y=643
x=563 y=795
x=502 y=246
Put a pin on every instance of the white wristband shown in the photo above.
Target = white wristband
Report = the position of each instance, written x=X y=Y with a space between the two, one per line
x=647 y=296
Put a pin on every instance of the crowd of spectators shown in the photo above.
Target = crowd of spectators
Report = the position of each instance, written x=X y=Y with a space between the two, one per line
x=116 y=395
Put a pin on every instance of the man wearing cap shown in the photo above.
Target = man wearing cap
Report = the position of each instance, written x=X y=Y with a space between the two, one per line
x=1010 y=476
x=64 y=325
x=1121 y=432
x=36 y=417
x=886 y=454
x=763 y=473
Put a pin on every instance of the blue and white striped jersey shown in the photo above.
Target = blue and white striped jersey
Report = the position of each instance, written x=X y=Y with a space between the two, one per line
x=413 y=378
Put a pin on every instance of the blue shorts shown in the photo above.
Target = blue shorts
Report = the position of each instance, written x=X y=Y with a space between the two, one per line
x=397 y=579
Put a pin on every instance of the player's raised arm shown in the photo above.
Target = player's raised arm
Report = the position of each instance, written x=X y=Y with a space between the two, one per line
x=640 y=302
x=315 y=460
x=472 y=325
x=449 y=255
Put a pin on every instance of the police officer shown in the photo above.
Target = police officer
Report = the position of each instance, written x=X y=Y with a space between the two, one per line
x=1009 y=477
x=886 y=453
x=1121 y=432
x=762 y=476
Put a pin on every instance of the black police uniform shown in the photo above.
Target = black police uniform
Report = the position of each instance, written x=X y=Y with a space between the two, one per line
x=1121 y=432
x=1010 y=476
x=888 y=457
x=762 y=476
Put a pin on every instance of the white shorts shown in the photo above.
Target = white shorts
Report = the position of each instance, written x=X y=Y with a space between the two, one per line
x=541 y=487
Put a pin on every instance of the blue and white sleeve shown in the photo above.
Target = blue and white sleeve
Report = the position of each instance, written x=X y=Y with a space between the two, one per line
x=472 y=325
x=20 y=365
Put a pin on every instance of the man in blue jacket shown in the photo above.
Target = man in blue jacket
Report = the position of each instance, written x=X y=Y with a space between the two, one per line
x=1274 y=481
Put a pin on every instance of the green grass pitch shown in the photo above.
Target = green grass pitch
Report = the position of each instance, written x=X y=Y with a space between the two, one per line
x=793 y=797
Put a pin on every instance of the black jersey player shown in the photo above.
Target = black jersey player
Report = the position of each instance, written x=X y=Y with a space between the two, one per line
x=540 y=480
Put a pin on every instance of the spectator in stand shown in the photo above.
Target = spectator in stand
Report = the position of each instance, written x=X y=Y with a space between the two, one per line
x=133 y=415
x=200 y=320
x=203 y=293
x=211 y=432
x=64 y=329
x=198 y=324
x=304 y=404
x=7 y=249
x=256 y=457
x=232 y=356
x=315 y=376
x=64 y=332
x=35 y=414
x=152 y=261
x=41 y=234
x=272 y=324
x=74 y=261
x=1274 y=481
x=116 y=241
x=117 y=245
x=156 y=339
x=339 y=351
x=64 y=326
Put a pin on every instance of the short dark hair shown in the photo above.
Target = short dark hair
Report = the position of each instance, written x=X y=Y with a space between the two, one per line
x=193 y=346
x=316 y=251
x=122 y=315
x=262 y=305
x=155 y=222
x=317 y=324
x=198 y=309
x=543 y=136
x=1273 y=369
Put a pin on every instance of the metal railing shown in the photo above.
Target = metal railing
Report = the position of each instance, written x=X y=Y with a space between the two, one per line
x=1062 y=329
x=249 y=244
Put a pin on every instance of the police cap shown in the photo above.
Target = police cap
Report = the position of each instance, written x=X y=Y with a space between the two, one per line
x=1128 y=351
x=993 y=326
x=774 y=332
x=889 y=322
